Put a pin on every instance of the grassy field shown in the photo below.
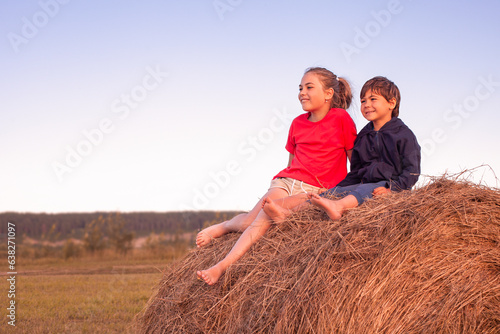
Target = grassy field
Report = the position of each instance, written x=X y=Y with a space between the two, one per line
x=90 y=294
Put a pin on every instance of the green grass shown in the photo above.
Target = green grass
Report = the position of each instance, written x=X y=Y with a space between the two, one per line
x=91 y=294
x=81 y=303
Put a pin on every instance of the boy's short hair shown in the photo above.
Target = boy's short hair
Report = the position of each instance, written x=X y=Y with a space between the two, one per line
x=386 y=88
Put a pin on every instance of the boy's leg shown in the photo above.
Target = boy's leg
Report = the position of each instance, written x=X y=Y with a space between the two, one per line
x=334 y=208
x=238 y=223
x=354 y=195
x=364 y=191
x=250 y=236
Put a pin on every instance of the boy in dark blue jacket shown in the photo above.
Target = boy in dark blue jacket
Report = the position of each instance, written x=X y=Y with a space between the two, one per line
x=385 y=157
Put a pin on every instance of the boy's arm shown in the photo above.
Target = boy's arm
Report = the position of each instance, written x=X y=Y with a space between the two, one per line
x=290 y=158
x=410 y=160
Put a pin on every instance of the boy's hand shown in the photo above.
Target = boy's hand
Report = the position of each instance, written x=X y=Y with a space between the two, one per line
x=381 y=191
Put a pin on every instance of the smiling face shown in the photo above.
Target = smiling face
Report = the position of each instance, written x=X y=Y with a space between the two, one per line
x=312 y=96
x=377 y=109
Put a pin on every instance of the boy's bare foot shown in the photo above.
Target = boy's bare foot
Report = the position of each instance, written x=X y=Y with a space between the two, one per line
x=206 y=235
x=273 y=210
x=332 y=208
x=210 y=275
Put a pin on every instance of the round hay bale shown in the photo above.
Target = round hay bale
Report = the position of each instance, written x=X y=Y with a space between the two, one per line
x=425 y=261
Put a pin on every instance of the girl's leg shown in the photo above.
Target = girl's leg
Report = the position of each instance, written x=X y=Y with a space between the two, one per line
x=214 y=231
x=238 y=223
x=250 y=236
x=278 y=210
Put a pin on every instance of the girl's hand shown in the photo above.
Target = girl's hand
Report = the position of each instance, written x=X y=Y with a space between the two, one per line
x=381 y=191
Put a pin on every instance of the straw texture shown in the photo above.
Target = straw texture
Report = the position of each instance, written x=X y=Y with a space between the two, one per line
x=425 y=261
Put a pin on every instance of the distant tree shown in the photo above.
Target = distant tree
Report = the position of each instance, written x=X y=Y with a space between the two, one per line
x=70 y=249
x=153 y=241
x=118 y=235
x=59 y=226
x=93 y=240
x=52 y=235
x=217 y=218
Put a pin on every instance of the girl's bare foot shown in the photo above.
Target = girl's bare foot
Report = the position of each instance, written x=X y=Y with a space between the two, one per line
x=210 y=275
x=332 y=208
x=273 y=210
x=206 y=235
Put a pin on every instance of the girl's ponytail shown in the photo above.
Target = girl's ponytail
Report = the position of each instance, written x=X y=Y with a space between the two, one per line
x=342 y=95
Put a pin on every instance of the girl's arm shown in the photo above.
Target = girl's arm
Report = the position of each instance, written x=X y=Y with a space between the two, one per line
x=349 y=154
x=290 y=159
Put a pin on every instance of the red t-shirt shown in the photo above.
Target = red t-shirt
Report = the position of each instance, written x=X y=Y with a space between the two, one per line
x=319 y=148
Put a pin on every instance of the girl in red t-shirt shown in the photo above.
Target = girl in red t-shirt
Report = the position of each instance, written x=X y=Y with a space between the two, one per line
x=319 y=143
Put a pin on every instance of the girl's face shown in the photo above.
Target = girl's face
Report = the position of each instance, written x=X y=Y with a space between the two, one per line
x=377 y=109
x=312 y=95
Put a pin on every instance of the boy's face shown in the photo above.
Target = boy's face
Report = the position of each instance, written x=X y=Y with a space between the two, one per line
x=377 y=109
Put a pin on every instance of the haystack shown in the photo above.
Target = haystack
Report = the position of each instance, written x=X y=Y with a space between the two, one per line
x=425 y=261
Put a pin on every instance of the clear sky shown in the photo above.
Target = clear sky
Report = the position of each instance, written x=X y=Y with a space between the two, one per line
x=177 y=105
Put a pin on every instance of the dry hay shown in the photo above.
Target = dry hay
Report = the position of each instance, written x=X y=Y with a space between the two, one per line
x=426 y=261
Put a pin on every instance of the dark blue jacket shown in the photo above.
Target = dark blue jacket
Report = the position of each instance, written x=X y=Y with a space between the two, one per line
x=390 y=154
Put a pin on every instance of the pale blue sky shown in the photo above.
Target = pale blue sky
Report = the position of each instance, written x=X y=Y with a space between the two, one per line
x=192 y=100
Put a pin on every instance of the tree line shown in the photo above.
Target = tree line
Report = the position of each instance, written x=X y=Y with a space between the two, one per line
x=73 y=225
